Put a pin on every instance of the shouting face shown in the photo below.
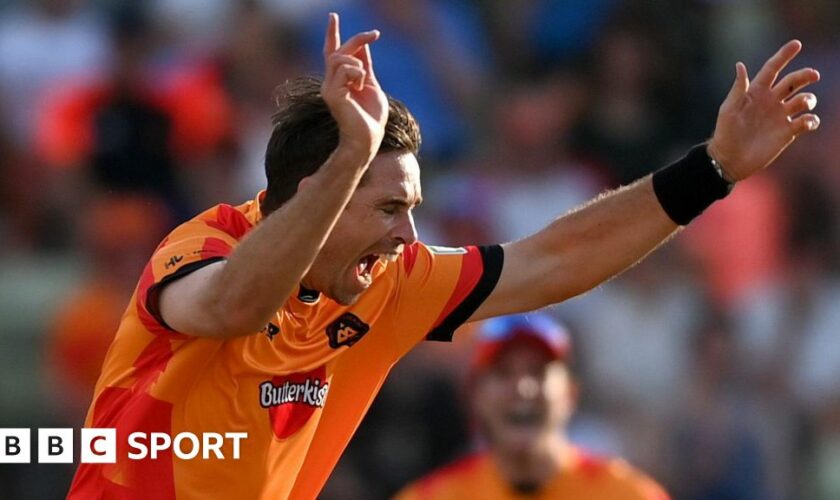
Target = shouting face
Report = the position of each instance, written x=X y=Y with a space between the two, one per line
x=523 y=398
x=376 y=224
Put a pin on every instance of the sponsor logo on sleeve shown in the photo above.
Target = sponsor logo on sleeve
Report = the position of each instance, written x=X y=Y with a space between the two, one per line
x=172 y=262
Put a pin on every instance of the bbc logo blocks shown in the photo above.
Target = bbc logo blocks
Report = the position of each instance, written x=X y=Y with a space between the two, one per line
x=14 y=446
x=99 y=446
x=55 y=446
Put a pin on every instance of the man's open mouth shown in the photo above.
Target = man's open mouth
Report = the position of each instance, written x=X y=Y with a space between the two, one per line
x=524 y=417
x=365 y=265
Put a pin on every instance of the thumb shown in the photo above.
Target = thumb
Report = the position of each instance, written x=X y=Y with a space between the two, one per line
x=741 y=83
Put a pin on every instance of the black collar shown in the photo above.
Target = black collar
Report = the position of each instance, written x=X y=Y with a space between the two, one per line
x=308 y=296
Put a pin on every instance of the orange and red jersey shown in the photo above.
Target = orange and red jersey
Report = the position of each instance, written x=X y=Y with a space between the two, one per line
x=583 y=476
x=299 y=388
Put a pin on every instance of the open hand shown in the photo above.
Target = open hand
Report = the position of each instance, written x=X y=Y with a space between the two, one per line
x=759 y=119
x=351 y=91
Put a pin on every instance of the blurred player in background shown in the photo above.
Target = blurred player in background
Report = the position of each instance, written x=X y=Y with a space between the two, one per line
x=281 y=317
x=522 y=396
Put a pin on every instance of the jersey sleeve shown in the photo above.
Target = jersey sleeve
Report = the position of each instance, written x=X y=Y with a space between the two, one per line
x=439 y=288
x=199 y=242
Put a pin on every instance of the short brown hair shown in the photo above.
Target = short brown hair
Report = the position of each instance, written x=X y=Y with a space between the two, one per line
x=305 y=135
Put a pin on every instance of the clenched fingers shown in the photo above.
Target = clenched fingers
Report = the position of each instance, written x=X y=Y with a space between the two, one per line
x=350 y=76
x=345 y=71
x=336 y=60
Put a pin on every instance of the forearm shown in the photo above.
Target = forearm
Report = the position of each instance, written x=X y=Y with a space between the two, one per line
x=269 y=263
x=239 y=296
x=756 y=122
x=594 y=243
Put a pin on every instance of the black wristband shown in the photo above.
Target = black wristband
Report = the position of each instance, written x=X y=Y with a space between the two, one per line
x=688 y=186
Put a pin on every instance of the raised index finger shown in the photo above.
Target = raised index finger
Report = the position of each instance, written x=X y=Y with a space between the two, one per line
x=332 y=39
x=770 y=71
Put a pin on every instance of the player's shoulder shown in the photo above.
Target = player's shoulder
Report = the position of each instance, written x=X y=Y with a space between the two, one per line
x=619 y=473
x=448 y=481
x=233 y=220
x=466 y=465
x=421 y=255
x=224 y=220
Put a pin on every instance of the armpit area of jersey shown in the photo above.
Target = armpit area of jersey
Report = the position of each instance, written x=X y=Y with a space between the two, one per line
x=153 y=295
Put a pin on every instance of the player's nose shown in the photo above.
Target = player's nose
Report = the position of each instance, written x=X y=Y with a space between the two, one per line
x=404 y=230
x=527 y=387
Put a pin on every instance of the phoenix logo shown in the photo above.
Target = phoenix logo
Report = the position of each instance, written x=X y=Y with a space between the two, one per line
x=346 y=330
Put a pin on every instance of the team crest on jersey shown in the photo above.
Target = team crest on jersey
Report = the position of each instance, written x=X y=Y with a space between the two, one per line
x=270 y=330
x=346 y=330
x=292 y=399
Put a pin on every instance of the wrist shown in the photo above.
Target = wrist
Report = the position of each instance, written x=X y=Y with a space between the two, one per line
x=350 y=155
x=718 y=162
x=358 y=150
x=690 y=185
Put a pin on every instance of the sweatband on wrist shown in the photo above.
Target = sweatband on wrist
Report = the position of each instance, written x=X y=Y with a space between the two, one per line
x=688 y=186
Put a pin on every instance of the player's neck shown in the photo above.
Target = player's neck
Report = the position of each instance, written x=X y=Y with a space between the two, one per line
x=535 y=467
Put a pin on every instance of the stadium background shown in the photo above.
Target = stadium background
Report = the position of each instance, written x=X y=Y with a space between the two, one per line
x=714 y=365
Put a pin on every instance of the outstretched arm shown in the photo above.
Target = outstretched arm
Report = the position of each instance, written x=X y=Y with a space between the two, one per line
x=239 y=295
x=578 y=251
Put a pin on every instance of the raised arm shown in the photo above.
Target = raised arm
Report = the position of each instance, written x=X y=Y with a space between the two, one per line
x=239 y=295
x=578 y=251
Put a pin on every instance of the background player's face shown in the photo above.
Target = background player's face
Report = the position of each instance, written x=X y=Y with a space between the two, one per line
x=376 y=224
x=523 y=399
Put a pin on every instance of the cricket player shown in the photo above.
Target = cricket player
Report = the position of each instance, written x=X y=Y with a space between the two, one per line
x=281 y=317
x=522 y=396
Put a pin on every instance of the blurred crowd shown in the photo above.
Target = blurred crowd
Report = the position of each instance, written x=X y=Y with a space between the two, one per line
x=714 y=365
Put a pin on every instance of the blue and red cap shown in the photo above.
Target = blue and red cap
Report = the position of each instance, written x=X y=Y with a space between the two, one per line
x=538 y=329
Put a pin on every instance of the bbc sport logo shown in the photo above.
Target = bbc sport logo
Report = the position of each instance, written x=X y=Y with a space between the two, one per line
x=100 y=445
